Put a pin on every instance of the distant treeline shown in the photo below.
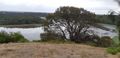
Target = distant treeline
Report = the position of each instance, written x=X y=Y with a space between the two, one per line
x=14 y=18
x=5 y=13
x=107 y=19
x=17 y=18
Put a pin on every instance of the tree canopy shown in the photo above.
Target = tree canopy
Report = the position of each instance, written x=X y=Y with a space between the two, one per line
x=70 y=23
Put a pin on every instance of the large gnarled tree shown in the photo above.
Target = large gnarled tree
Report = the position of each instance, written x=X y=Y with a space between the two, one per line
x=70 y=22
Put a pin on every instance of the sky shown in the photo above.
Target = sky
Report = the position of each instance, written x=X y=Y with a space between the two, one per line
x=96 y=6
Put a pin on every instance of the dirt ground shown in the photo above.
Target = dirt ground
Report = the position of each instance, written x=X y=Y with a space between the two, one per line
x=44 y=50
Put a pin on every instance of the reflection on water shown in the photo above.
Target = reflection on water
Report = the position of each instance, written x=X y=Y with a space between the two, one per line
x=29 y=33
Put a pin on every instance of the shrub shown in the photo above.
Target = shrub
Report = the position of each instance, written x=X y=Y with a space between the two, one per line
x=4 y=37
x=50 y=36
x=91 y=40
x=112 y=50
x=86 y=38
x=95 y=40
x=105 y=41
x=115 y=41
x=36 y=41
x=17 y=37
x=11 y=37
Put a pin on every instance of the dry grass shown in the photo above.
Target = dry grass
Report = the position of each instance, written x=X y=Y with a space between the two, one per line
x=44 y=50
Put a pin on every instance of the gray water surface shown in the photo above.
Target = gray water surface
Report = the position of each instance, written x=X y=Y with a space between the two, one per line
x=34 y=33
x=29 y=33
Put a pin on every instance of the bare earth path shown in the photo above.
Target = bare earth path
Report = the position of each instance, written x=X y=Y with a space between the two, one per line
x=42 y=50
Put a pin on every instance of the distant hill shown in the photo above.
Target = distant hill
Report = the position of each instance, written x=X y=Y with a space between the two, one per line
x=106 y=19
x=10 y=18
x=17 y=18
x=7 y=13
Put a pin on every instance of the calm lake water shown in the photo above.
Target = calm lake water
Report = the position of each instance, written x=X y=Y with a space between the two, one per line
x=34 y=33
x=29 y=33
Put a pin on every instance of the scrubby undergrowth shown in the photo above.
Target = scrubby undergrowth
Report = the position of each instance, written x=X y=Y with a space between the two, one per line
x=11 y=37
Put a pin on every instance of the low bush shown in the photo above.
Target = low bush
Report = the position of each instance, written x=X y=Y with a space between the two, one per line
x=17 y=37
x=11 y=37
x=91 y=40
x=50 y=36
x=4 y=37
x=115 y=48
x=112 y=50
x=115 y=41
x=95 y=40
x=105 y=41
x=36 y=40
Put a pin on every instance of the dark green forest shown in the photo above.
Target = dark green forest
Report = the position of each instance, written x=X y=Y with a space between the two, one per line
x=106 y=19
x=17 y=18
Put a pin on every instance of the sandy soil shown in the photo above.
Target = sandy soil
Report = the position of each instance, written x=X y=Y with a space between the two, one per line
x=42 y=50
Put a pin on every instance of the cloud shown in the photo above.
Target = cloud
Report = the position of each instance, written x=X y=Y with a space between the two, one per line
x=96 y=6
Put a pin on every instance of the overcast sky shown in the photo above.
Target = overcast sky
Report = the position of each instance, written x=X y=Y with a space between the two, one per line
x=96 y=6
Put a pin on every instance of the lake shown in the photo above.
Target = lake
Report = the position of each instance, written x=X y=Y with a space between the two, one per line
x=34 y=33
x=29 y=33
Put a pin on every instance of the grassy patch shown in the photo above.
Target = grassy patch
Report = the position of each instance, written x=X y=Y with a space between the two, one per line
x=113 y=50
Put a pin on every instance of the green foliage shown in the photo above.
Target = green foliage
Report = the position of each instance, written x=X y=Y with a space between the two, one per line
x=105 y=41
x=104 y=19
x=115 y=40
x=118 y=28
x=115 y=48
x=108 y=19
x=36 y=41
x=11 y=37
x=4 y=37
x=17 y=37
x=95 y=40
x=112 y=50
x=14 y=18
x=50 y=36
x=75 y=21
